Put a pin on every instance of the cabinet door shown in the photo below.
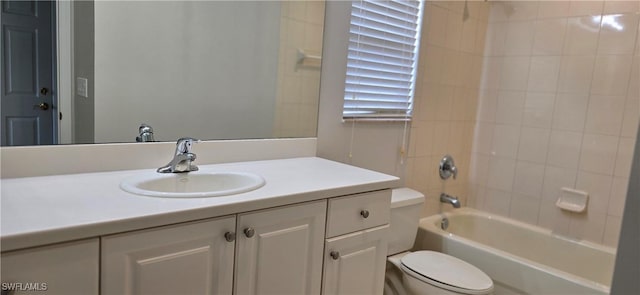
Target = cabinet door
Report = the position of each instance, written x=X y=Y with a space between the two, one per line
x=355 y=263
x=193 y=258
x=279 y=251
x=69 y=268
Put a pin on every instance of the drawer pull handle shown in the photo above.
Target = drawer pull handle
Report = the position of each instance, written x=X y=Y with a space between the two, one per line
x=335 y=255
x=364 y=213
x=249 y=232
x=230 y=236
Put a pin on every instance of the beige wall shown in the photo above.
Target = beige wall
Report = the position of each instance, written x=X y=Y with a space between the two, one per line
x=376 y=146
x=558 y=108
x=444 y=101
x=446 y=98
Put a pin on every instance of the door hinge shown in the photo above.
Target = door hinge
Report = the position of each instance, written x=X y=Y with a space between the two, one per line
x=60 y=116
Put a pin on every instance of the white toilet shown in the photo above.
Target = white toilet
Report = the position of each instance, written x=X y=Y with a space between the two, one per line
x=424 y=272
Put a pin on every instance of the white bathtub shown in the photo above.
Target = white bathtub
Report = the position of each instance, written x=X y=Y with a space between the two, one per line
x=520 y=258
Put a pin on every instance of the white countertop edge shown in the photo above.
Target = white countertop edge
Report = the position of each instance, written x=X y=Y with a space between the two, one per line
x=28 y=239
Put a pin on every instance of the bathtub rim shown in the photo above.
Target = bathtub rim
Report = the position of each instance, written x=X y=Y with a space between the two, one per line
x=431 y=224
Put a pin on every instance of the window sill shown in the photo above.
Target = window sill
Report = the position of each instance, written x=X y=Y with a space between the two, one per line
x=381 y=120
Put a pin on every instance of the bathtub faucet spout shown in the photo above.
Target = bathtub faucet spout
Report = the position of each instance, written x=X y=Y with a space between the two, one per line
x=444 y=198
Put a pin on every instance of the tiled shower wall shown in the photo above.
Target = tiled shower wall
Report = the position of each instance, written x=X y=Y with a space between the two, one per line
x=447 y=88
x=558 y=107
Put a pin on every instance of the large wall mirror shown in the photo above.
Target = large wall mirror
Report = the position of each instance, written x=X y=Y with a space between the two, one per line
x=205 y=69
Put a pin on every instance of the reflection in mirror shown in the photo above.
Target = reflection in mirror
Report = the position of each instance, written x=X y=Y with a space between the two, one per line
x=204 y=69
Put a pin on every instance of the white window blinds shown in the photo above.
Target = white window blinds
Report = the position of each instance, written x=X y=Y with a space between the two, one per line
x=382 y=61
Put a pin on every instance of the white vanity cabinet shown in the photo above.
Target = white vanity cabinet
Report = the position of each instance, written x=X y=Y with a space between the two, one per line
x=192 y=258
x=276 y=239
x=66 y=269
x=280 y=250
x=277 y=251
x=356 y=245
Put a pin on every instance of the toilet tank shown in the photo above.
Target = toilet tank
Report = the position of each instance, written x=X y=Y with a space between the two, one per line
x=406 y=206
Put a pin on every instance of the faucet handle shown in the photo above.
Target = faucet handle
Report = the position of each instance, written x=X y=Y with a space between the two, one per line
x=183 y=145
x=448 y=168
x=144 y=127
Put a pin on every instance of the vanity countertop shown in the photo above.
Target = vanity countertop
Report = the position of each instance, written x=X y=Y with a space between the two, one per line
x=50 y=209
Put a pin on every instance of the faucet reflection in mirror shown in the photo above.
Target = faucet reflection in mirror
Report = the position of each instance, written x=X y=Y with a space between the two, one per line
x=145 y=133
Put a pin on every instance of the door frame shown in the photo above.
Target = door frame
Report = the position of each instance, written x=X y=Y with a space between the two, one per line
x=64 y=70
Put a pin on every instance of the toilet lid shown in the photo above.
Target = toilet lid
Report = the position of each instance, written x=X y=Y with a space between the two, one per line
x=452 y=273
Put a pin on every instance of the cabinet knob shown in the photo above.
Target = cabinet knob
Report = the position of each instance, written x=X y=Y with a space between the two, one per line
x=364 y=213
x=335 y=255
x=249 y=232
x=230 y=236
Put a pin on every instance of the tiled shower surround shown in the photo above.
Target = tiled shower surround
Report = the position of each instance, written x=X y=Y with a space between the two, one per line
x=530 y=97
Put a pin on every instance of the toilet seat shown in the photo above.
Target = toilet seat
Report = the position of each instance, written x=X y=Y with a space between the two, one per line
x=446 y=272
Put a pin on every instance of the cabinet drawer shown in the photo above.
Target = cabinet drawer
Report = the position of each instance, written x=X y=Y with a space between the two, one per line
x=358 y=212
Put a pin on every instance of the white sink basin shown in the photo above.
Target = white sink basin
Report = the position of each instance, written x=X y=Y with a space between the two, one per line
x=192 y=184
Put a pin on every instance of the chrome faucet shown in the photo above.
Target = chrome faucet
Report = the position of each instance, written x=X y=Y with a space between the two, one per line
x=444 y=198
x=183 y=159
x=145 y=133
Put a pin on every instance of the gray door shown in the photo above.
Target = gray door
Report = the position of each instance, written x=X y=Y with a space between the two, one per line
x=28 y=78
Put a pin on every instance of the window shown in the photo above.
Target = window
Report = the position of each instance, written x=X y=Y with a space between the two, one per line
x=382 y=60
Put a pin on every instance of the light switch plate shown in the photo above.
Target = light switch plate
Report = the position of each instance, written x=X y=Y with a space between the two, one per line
x=82 y=86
